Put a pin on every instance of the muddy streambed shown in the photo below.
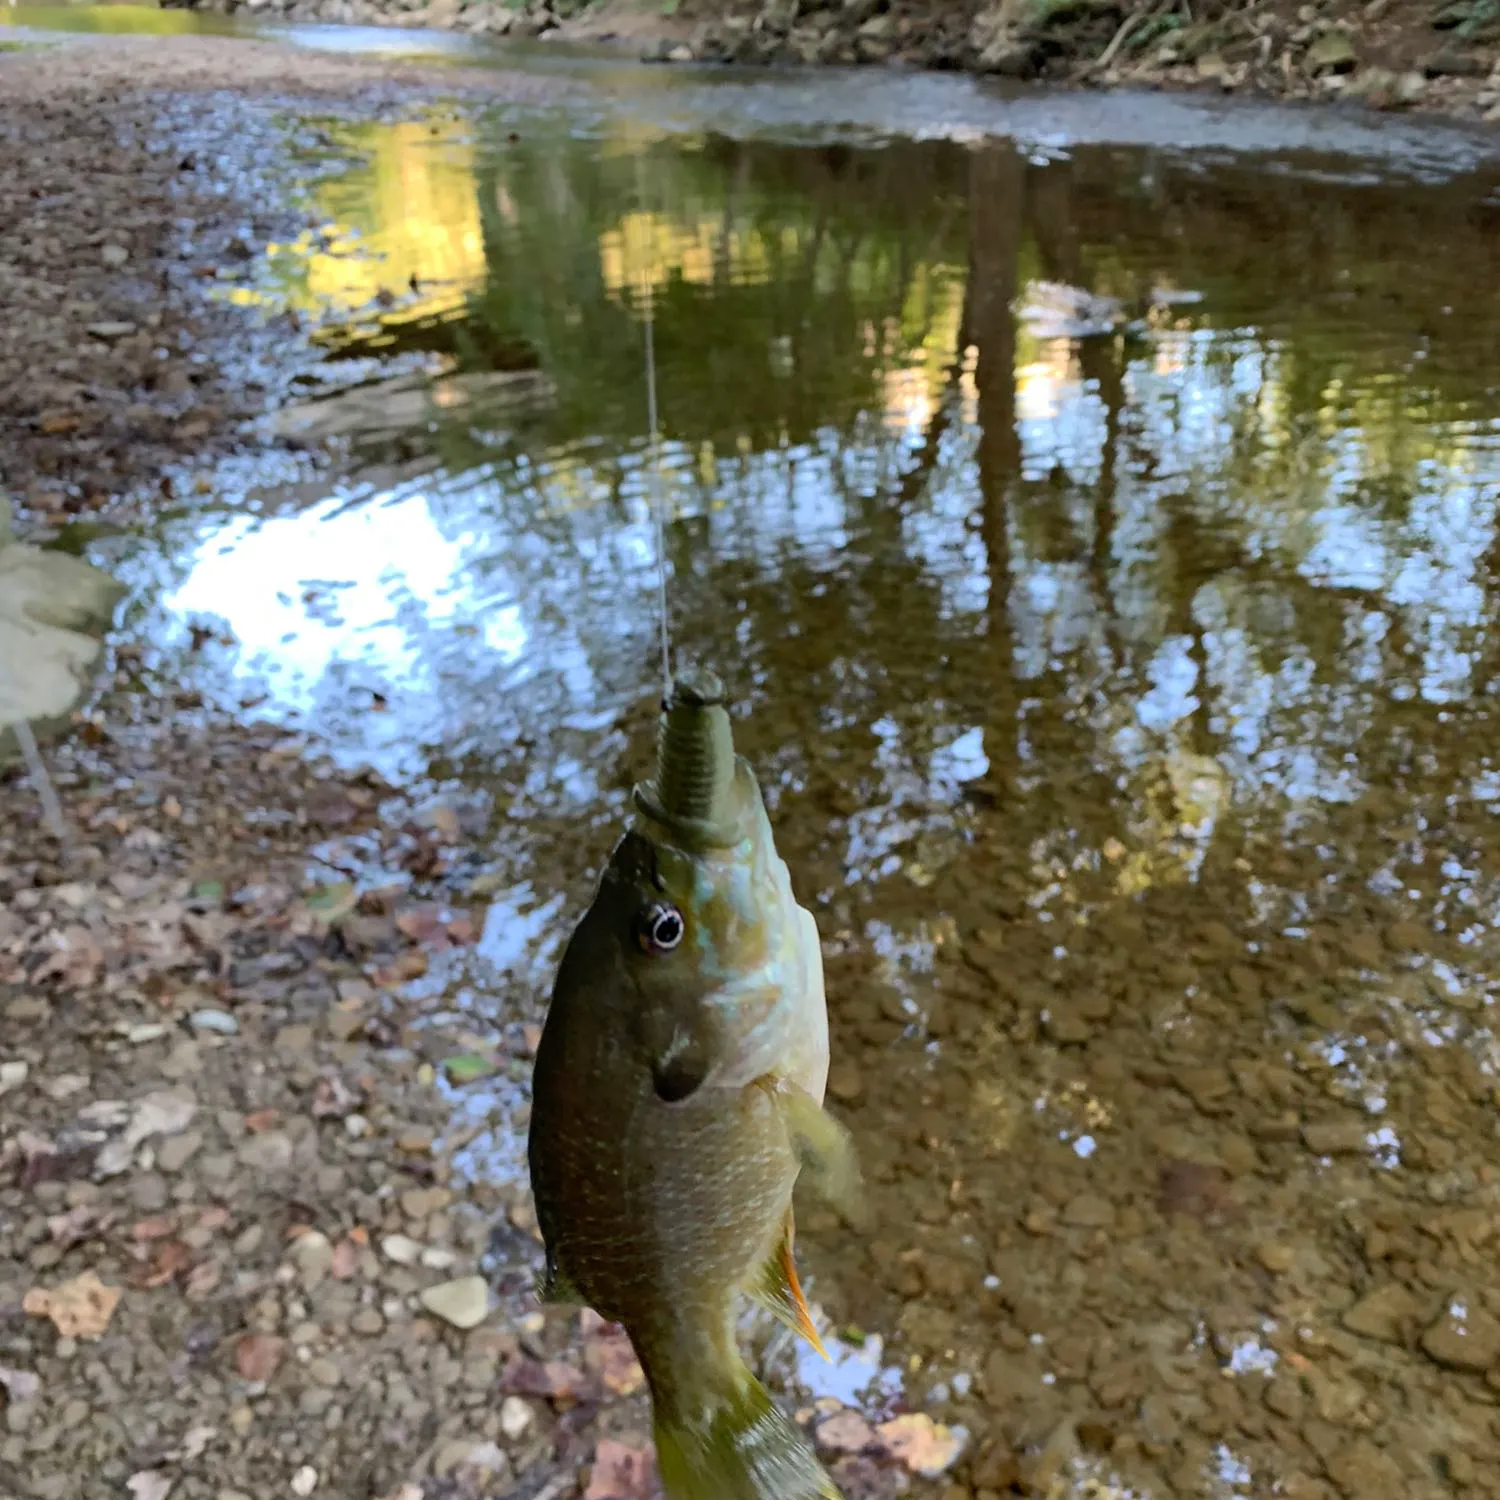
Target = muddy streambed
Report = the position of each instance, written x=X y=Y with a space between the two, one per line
x=1101 y=540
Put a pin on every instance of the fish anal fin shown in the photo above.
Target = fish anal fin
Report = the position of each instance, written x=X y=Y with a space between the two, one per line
x=780 y=1289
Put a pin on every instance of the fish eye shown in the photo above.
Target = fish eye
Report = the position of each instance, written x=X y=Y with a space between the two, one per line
x=661 y=928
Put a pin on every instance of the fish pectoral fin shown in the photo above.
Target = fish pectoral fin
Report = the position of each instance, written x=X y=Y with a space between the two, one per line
x=555 y=1285
x=824 y=1149
x=779 y=1290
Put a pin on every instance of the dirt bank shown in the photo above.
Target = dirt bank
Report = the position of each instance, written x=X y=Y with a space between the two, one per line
x=1436 y=57
x=127 y=207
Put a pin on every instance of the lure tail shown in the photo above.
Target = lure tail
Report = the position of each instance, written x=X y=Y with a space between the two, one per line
x=741 y=1446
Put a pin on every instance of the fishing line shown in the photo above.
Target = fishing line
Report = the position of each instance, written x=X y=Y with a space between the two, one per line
x=657 y=504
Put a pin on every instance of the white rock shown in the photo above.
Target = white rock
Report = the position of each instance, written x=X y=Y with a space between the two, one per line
x=463 y=1303
x=305 y=1480
x=401 y=1250
x=13 y=1075
x=515 y=1417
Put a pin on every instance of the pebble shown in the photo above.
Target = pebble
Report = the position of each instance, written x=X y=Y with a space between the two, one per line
x=1383 y=1313
x=214 y=1020
x=305 y=1480
x=515 y=1417
x=1088 y=1211
x=176 y=1151
x=1464 y=1336
x=324 y=1372
x=271 y=1152
x=110 y=330
x=149 y=1192
x=400 y=1249
x=13 y=1075
x=1277 y=1258
x=1343 y=1137
x=437 y=1259
x=463 y=1303
x=312 y=1254
x=367 y=1322
x=114 y=256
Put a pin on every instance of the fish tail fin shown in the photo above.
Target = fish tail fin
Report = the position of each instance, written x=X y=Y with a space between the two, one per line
x=742 y=1446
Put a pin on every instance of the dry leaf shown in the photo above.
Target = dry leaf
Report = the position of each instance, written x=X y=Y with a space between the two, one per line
x=258 y=1355
x=20 y=1385
x=149 y=1484
x=345 y=1260
x=422 y=924
x=611 y=1360
x=170 y=1260
x=79 y=1309
x=214 y=1218
x=202 y=1279
x=524 y=1376
x=923 y=1446
x=151 y=1229
x=622 y=1473
x=261 y=1119
x=84 y=1222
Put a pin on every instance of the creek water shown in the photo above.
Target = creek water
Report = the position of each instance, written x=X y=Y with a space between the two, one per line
x=1091 y=504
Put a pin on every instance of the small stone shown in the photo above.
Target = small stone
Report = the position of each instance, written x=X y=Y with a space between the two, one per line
x=1332 y=52
x=219 y=1021
x=110 y=331
x=1343 y=1137
x=1064 y=1025
x=176 y=1151
x=355 y=1126
x=271 y=1152
x=1384 y=1313
x=422 y=1203
x=149 y=1192
x=463 y=1303
x=434 y=1258
x=323 y=1372
x=681 y=53
x=1088 y=1211
x=367 y=1322
x=845 y=1081
x=401 y=1250
x=515 y=1417
x=13 y=1075
x=114 y=256
x=312 y=1254
x=1277 y=1258
x=305 y=1480
x=1464 y=1337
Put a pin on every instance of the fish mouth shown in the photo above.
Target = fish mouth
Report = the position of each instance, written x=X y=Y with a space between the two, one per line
x=695 y=794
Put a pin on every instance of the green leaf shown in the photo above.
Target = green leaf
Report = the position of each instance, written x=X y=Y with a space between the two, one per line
x=332 y=903
x=467 y=1067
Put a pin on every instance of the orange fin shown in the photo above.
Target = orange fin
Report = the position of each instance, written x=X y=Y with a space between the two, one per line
x=780 y=1289
x=805 y=1325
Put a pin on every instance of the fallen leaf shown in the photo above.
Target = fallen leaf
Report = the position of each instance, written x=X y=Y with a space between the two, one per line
x=259 y=1120
x=85 y=1222
x=467 y=1067
x=79 y=1309
x=422 y=924
x=611 y=1360
x=166 y=1112
x=151 y=1229
x=202 y=1279
x=525 y=1376
x=149 y=1484
x=332 y=1098
x=621 y=1472
x=923 y=1446
x=462 y=930
x=214 y=1218
x=330 y=904
x=257 y=1356
x=171 y=1259
x=20 y=1385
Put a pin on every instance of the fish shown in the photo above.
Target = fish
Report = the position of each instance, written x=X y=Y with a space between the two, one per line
x=678 y=1092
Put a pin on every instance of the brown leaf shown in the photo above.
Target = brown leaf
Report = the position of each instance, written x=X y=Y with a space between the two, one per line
x=171 y=1259
x=214 y=1218
x=422 y=924
x=79 y=1309
x=621 y=1472
x=611 y=1360
x=151 y=1229
x=462 y=929
x=257 y=1356
x=332 y=1098
x=202 y=1279
x=525 y=1376
x=260 y=1119
x=85 y=1222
